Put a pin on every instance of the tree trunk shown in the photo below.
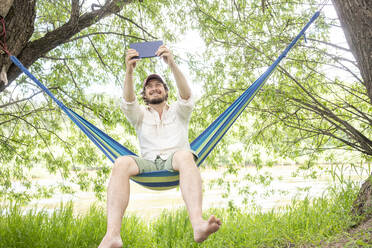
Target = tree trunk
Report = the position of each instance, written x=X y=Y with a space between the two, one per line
x=19 y=24
x=362 y=206
x=356 y=19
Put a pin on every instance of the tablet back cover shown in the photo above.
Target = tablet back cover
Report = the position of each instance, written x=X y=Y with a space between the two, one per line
x=146 y=49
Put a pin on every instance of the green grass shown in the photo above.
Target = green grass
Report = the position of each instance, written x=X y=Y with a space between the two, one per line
x=303 y=222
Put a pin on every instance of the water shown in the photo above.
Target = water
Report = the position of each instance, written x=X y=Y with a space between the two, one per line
x=279 y=192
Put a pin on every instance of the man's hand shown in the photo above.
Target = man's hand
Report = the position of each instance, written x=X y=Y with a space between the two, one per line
x=182 y=85
x=130 y=62
x=166 y=54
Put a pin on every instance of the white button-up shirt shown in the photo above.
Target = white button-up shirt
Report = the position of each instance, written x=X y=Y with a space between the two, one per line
x=160 y=136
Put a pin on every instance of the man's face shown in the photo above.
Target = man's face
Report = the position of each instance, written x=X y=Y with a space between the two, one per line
x=155 y=92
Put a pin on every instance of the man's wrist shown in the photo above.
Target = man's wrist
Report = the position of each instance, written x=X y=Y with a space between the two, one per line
x=173 y=65
x=129 y=72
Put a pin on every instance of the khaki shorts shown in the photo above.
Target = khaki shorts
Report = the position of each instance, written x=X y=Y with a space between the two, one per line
x=159 y=164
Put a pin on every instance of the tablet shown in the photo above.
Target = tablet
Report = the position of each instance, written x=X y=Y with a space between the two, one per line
x=146 y=49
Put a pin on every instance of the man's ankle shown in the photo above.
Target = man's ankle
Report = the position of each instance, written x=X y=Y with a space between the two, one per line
x=112 y=234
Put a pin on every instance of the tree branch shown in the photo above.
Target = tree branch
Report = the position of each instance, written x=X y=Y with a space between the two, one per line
x=135 y=24
x=38 y=48
x=330 y=44
x=99 y=33
x=24 y=99
x=75 y=11
x=71 y=75
x=98 y=54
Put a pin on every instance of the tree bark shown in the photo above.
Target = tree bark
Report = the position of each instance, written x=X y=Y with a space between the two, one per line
x=5 y=6
x=362 y=206
x=19 y=24
x=356 y=19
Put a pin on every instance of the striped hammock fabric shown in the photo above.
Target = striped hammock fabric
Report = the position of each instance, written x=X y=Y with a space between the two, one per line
x=202 y=145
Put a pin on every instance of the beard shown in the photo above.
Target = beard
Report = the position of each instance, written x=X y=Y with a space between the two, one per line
x=156 y=100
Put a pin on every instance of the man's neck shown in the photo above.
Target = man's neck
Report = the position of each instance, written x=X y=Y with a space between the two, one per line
x=158 y=107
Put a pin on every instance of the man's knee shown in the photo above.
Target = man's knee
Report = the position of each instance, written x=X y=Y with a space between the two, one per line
x=126 y=164
x=183 y=155
x=183 y=158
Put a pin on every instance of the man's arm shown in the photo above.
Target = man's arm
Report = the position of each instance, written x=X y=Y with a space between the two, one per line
x=182 y=85
x=128 y=90
x=130 y=107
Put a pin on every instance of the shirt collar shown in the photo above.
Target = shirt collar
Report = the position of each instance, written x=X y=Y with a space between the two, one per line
x=149 y=108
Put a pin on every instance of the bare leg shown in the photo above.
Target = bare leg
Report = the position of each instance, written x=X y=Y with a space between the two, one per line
x=191 y=188
x=117 y=200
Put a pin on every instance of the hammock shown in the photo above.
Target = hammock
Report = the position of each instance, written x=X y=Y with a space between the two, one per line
x=202 y=145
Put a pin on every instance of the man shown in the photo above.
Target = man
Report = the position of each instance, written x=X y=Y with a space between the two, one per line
x=163 y=137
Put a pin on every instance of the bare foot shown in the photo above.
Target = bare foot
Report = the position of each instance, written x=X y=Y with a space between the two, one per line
x=111 y=242
x=206 y=228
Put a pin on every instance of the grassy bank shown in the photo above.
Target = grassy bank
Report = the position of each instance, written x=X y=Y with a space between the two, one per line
x=303 y=222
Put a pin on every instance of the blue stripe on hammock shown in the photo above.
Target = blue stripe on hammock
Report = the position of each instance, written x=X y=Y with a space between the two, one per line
x=161 y=184
x=161 y=173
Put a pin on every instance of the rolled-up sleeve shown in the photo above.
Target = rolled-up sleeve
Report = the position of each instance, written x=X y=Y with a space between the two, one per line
x=132 y=111
x=184 y=107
